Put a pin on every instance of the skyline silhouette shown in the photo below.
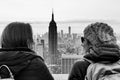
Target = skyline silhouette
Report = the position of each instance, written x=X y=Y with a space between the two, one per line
x=76 y=26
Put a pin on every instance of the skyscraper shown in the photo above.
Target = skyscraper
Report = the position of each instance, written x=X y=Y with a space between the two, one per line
x=69 y=30
x=53 y=41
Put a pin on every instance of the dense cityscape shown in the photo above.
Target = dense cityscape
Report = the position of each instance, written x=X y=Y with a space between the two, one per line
x=68 y=48
x=68 y=44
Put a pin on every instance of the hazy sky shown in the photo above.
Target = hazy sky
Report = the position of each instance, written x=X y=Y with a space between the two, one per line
x=40 y=10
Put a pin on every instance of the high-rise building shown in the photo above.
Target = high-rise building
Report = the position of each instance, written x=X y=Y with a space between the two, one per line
x=53 y=41
x=39 y=48
x=62 y=33
x=69 y=30
x=43 y=43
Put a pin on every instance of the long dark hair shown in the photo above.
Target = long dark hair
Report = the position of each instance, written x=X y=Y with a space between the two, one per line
x=17 y=34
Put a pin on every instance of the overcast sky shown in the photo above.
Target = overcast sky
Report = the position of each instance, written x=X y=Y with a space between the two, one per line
x=40 y=10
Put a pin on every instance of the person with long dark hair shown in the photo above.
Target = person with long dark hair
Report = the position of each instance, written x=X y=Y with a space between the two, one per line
x=17 y=53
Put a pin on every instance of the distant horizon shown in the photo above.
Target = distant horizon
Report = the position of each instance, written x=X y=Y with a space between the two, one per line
x=77 y=26
x=63 y=21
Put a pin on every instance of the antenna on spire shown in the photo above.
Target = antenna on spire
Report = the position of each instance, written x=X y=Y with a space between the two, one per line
x=52 y=10
x=52 y=14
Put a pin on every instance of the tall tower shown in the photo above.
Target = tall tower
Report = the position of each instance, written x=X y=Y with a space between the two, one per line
x=53 y=41
x=69 y=30
x=62 y=33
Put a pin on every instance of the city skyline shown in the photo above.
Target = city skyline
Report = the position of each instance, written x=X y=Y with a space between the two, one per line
x=76 y=26
x=75 y=13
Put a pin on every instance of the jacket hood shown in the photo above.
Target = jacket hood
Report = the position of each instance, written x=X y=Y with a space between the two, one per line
x=16 y=59
x=104 y=53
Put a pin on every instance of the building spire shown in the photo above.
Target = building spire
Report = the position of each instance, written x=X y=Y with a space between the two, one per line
x=52 y=15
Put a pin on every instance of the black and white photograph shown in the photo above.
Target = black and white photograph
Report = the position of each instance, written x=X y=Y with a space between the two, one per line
x=59 y=40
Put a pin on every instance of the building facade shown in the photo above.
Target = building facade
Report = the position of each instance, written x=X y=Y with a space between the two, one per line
x=52 y=39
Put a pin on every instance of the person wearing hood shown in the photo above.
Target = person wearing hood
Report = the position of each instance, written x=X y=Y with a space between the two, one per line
x=16 y=52
x=100 y=45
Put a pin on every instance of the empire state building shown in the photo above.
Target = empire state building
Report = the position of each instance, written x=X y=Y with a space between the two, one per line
x=53 y=41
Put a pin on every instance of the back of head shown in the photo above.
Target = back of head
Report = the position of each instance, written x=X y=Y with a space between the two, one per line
x=17 y=34
x=99 y=33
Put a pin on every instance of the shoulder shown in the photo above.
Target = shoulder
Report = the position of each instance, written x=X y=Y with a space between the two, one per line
x=81 y=64
x=79 y=69
x=37 y=62
x=36 y=70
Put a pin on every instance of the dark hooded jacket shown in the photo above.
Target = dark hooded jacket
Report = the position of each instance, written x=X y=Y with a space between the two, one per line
x=106 y=53
x=25 y=64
